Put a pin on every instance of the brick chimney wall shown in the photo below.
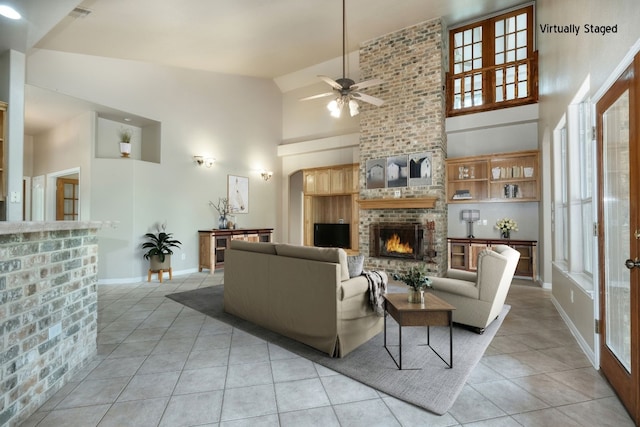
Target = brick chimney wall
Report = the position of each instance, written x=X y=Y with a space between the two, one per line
x=412 y=119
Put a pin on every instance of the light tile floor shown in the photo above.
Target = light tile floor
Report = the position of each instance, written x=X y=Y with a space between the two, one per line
x=162 y=364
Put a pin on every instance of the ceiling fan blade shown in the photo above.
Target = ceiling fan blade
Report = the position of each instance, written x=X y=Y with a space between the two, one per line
x=322 y=95
x=334 y=84
x=367 y=98
x=367 y=83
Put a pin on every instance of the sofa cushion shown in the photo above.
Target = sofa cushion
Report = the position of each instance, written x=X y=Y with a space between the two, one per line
x=335 y=255
x=261 y=247
x=355 y=264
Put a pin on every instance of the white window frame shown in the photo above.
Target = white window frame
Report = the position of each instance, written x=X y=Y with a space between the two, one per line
x=560 y=192
x=574 y=184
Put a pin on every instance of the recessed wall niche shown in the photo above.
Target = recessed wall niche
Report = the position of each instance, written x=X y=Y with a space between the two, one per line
x=145 y=138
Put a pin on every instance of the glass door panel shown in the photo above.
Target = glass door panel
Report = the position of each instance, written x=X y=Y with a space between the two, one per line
x=616 y=209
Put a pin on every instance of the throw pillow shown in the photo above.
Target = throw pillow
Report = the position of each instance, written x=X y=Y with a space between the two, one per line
x=355 y=263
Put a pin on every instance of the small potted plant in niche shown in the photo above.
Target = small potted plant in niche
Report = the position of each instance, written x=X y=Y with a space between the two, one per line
x=417 y=280
x=124 y=134
x=159 y=248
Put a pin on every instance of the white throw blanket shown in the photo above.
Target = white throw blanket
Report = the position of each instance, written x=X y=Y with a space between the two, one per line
x=377 y=288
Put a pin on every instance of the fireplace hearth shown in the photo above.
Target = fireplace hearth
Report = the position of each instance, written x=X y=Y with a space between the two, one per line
x=397 y=240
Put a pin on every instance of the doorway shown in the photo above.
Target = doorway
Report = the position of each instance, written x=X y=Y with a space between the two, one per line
x=67 y=198
x=618 y=117
x=72 y=200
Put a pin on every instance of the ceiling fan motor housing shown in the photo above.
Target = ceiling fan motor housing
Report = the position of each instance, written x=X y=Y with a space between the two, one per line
x=345 y=83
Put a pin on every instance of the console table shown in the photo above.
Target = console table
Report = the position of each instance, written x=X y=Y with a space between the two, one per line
x=214 y=242
x=463 y=253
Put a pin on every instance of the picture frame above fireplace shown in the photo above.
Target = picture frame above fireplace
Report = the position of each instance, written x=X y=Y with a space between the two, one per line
x=376 y=173
x=397 y=171
x=420 y=169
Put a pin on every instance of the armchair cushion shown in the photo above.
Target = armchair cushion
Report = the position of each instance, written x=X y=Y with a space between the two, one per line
x=456 y=286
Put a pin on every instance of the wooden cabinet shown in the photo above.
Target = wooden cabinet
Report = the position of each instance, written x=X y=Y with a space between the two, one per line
x=330 y=196
x=463 y=254
x=3 y=150
x=506 y=177
x=342 y=179
x=214 y=243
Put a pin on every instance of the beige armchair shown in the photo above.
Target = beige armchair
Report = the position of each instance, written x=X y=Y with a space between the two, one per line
x=479 y=297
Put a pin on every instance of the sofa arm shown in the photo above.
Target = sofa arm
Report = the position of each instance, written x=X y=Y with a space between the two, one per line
x=352 y=287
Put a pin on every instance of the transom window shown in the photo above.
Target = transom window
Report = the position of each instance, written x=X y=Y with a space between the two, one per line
x=492 y=64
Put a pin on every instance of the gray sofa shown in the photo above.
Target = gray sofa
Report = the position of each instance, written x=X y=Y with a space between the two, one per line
x=304 y=293
x=479 y=297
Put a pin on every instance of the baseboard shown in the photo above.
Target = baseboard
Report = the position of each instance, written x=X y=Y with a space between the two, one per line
x=129 y=280
x=574 y=331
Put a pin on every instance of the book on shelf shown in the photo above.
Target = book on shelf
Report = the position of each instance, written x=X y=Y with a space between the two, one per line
x=462 y=195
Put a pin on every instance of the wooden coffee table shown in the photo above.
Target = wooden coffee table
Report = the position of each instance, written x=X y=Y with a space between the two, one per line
x=434 y=312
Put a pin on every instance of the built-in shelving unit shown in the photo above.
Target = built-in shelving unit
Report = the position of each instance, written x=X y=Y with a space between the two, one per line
x=505 y=177
x=330 y=196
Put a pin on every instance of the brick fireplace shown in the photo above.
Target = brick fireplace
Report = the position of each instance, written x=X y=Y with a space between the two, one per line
x=411 y=63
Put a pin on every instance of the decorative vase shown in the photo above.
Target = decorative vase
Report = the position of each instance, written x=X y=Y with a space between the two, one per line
x=222 y=222
x=506 y=234
x=416 y=296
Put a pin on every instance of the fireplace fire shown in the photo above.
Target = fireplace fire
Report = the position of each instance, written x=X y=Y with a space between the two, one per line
x=394 y=244
x=396 y=240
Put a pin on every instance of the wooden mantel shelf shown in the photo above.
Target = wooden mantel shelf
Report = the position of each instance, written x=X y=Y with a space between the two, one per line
x=413 y=203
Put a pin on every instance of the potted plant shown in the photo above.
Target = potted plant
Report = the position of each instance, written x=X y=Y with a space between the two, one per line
x=417 y=280
x=124 y=134
x=159 y=249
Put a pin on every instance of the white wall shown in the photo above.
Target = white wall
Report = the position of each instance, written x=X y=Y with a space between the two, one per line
x=235 y=119
x=565 y=63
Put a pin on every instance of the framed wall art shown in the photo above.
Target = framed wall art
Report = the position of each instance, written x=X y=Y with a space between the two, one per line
x=238 y=194
x=420 y=169
x=376 y=173
x=397 y=171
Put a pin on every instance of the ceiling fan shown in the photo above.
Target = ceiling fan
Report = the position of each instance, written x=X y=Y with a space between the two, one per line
x=348 y=91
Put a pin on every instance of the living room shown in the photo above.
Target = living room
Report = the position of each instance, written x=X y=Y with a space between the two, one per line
x=251 y=124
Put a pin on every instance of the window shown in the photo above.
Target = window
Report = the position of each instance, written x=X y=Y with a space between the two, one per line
x=574 y=186
x=561 y=198
x=586 y=148
x=492 y=64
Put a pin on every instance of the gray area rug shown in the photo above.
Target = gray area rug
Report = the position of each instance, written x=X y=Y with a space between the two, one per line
x=431 y=386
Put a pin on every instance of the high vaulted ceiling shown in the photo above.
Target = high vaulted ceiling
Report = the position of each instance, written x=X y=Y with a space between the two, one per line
x=262 y=38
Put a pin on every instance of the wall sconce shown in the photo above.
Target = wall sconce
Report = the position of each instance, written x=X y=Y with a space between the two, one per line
x=201 y=160
x=266 y=175
x=470 y=216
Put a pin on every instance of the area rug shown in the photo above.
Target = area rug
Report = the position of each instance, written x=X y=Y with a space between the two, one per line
x=428 y=383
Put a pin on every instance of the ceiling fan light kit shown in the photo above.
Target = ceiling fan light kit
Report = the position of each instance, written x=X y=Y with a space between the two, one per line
x=345 y=88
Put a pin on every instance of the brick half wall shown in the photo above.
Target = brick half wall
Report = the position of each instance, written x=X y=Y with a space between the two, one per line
x=48 y=307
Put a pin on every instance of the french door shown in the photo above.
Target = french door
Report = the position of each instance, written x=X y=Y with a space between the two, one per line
x=67 y=202
x=618 y=121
